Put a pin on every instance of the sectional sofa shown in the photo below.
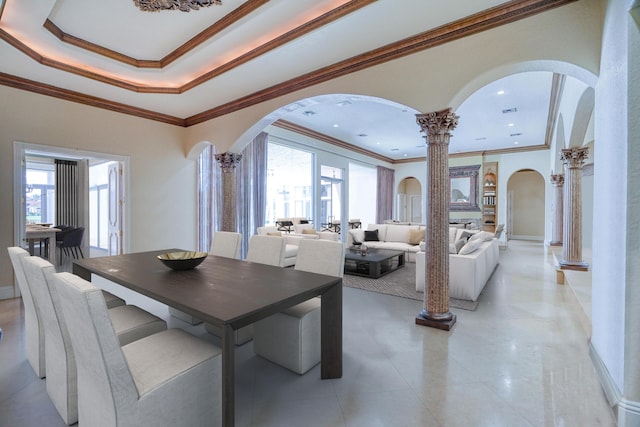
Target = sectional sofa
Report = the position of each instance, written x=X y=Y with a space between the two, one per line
x=397 y=237
x=472 y=259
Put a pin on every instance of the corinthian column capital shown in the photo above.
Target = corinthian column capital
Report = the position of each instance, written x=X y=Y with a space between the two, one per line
x=228 y=161
x=574 y=157
x=437 y=124
x=557 y=179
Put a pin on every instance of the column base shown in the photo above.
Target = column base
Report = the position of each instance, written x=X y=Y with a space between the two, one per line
x=574 y=265
x=443 y=321
x=555 y=243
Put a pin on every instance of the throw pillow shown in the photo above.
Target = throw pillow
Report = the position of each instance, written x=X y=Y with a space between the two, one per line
x=467 y=234
x=309 y=231
x=459 y=244
x=483 y=236
x=274 y=233
x=371 y=236
x=416 y=236
x=357 y=235
x=470 y=247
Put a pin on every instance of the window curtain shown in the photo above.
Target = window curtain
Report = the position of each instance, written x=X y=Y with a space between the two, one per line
x=384 y=208
x=67 y=192
x=251 y=191
x=209 y=197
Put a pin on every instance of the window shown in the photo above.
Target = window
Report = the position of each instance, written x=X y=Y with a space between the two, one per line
x=40 y=191
x=289 y=183
x=331 y=196
x=362 y=193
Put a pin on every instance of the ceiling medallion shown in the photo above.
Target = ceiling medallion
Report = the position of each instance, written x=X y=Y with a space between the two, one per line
x=183 y=5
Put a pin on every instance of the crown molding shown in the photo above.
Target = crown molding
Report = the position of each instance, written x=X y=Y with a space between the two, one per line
x=80 y=98
x=481 y=21
x=484 y=20
x=279 y=41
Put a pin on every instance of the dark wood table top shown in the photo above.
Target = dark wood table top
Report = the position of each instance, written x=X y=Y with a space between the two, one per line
x=220 y=290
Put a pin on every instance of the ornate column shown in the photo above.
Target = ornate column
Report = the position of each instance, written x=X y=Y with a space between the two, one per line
x=573 y=159
x=556 y=226
x=435 y=312
x=228 y=163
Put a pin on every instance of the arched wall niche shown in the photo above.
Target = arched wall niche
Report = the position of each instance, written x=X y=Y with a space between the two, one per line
x=409 y=201
x=526 y=205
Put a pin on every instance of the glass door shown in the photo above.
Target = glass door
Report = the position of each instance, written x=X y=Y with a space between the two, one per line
x=331 y=198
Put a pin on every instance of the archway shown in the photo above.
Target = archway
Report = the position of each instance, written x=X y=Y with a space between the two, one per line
x=526 y=205
x=409 y=201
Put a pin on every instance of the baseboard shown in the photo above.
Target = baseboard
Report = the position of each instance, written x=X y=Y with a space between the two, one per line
x=6 y=292
x=626 y=411
x=525 y=237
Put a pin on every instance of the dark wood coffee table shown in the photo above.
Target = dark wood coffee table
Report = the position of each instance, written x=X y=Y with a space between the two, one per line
x=376 y=263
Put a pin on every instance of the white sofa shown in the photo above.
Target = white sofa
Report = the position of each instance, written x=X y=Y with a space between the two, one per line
x=398 y=237
x=468 y=273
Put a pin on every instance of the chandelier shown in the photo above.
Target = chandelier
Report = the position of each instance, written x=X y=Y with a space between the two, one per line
x=183 y=5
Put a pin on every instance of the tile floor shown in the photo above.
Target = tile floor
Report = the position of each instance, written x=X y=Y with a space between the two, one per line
x=520 y=359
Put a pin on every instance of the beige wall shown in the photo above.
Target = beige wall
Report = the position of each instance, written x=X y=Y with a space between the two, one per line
x=528 y=209
x=162 y=181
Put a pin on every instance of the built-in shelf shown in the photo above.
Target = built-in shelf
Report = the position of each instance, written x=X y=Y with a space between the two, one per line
x=489 y=196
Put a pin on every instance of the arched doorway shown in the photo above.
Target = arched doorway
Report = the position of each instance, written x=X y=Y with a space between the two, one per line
x=525 y=205
x=409 y=202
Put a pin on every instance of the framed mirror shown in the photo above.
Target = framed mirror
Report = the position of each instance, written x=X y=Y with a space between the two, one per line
x=464 y=190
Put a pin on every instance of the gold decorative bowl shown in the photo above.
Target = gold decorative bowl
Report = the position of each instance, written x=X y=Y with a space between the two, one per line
x=184 y=260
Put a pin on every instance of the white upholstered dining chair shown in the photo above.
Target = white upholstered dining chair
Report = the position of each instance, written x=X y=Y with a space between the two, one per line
x=268 y=250
x=129 y=322
x=226 y=244
x=263 y=250
x=33 y=327
x=291 y=338
x=166 y=379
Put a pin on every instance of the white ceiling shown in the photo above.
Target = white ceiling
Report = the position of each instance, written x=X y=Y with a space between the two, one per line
x=31 y=52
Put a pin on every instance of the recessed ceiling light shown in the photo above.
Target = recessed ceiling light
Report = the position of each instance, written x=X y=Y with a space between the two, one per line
x=309 y=113
x=335 y=125
x=510 y=125
x=377 y=143
x=516 y=142
x=405 y=155
x=501 y=92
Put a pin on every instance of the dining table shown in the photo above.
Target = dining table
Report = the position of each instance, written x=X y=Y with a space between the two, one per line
x=230 y=294
x=36 y=232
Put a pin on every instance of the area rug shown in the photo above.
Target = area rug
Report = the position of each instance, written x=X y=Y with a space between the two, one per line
x=400 y=283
